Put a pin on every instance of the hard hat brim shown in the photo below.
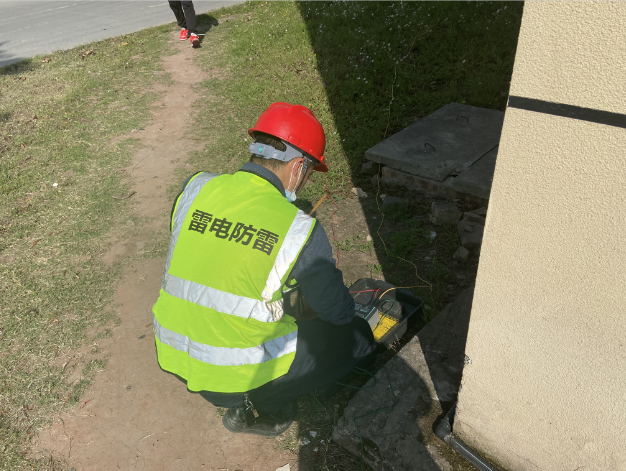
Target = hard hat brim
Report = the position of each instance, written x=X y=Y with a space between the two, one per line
x=321 y=167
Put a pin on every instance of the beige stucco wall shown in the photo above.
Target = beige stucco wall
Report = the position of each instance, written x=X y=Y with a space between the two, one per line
x=546 y=387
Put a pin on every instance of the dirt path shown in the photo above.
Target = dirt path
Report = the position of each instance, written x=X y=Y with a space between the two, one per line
x=135 y=416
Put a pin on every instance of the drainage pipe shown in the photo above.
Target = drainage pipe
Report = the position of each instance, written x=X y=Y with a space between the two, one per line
x=444 y=432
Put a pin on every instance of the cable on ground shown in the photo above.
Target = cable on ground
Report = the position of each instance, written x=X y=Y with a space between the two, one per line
x=428 y=284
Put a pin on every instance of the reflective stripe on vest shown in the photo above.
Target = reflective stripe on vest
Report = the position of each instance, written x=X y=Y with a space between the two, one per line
x=294 y=240
x=222 y=356
x=221 y=301
x=240 y=306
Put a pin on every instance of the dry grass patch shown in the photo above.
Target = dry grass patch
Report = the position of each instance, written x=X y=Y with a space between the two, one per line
x=58 y=173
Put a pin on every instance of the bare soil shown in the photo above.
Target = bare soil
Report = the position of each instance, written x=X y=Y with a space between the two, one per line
x=135 y=416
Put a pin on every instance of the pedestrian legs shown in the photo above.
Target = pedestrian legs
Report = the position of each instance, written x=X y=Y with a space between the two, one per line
x=190 y=16
x=180 y=15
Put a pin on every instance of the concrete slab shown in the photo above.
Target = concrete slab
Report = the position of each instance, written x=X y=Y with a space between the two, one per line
x=426 y=185
x=425 y=376
x=478 y=178
x=444 y=143
x=394 y=177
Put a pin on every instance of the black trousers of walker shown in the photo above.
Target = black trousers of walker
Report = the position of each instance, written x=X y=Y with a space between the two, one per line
x=325 y=353
x=185 y=15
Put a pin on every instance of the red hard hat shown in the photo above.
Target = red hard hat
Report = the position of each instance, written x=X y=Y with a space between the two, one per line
x=297 y=125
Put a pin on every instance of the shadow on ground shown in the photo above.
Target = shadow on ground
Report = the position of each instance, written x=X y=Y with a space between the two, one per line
x=6 y=57
x=385 y=66
x=422 y=380
x=204 y=25
x=10 y=65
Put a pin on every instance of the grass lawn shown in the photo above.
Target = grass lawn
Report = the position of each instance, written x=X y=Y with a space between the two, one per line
x=366 y=69
x=58 y=173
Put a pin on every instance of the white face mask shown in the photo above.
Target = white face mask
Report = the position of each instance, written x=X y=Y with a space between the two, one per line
x=291 y=195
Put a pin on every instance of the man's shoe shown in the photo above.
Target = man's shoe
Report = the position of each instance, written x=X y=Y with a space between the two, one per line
x=235 y=419
x=195 y=39
x=238 y=420
x=184 y=34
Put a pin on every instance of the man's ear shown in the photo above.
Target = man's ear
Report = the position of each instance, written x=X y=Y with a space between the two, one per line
x=297 y=167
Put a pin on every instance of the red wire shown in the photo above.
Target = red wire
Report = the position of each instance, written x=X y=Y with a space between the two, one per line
x=375 y=291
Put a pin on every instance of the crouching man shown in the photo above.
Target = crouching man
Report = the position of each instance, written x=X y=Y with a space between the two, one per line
x=243 y=269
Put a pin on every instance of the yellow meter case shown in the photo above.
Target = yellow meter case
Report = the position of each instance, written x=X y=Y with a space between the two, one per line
x=389 y=315
x=386 y=326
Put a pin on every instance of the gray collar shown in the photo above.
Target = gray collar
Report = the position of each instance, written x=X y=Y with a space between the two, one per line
x=264 y=173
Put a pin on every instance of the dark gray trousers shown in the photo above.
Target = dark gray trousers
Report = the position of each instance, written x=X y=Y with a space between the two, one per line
x=325 y=354
x=185 y=15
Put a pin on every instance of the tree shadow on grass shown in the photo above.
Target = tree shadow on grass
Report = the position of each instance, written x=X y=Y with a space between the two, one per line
x=385 y=65
x=15 y=65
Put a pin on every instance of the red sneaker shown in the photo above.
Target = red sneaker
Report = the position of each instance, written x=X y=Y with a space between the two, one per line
x=195 y=39
x=184 y=34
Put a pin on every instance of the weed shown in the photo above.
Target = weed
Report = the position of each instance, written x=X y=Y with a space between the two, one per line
x=375 y=268
x=446 y=242
x=398 y=212
x=106 y=333
x=357 y=242
x=440 y=277
x=402 y=243
x=89 y=373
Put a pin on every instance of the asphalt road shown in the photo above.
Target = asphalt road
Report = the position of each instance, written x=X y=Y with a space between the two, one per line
x=28 y=28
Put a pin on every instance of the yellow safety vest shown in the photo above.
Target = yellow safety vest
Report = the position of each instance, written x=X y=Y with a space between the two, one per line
x=219 y=320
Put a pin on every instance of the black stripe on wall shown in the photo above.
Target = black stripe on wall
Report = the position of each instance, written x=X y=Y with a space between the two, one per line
x=568 y=111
